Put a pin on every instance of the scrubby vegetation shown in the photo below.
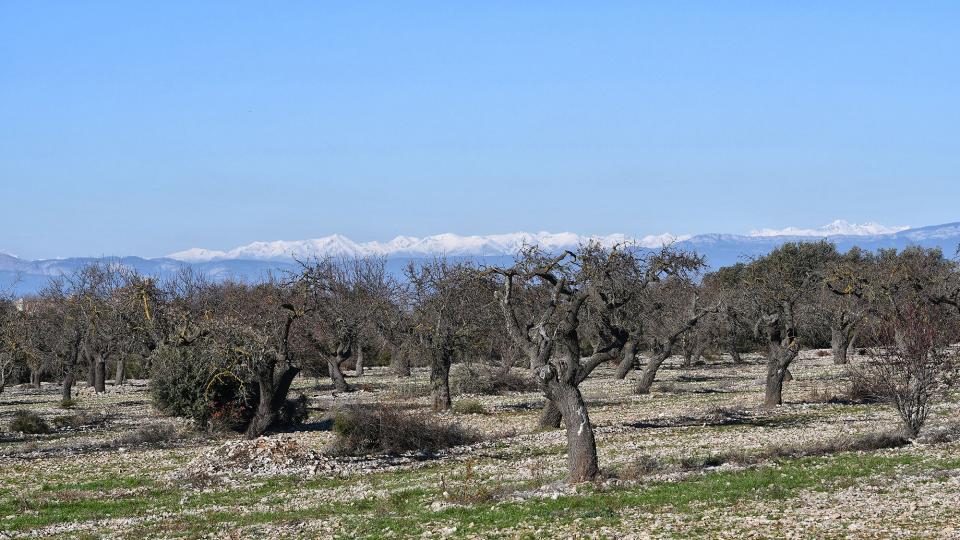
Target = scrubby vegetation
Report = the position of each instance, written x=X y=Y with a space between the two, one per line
x=381 y=430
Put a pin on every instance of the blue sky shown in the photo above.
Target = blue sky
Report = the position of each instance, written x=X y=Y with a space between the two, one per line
x=146 y=128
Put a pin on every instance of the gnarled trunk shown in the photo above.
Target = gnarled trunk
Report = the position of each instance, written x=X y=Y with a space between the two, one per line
x=440 y=381
x=581 y=444
x=735 y=354
x=91 y=372
x=336 y=374
x=650 y=372
x=68 y=385
x=550 y=417
x=273 y=395
x=120 y=375
x=840 y=344
x=778 y=362
x=627 y=360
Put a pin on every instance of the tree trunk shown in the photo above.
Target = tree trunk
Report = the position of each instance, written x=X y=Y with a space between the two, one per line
x=581 y=444
x=840 y=344
x=100 y=374
x=91 y=372
x=440 y=381
x=358 y=364
x=735 y=355
x=35 y=378
x=336 y=375
x=550 y=417
x=120 y=376
x=777 y=371
x=650 y=372
x=273 y=395
x=627 y=360
x=68 y=385
x=399 y=363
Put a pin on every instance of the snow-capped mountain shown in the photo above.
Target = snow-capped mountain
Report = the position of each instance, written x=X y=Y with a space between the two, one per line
x=409 y=246
x=254 y=261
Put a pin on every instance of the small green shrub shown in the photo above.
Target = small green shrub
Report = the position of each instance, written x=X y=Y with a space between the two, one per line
x=382 y=430
x=78 y=420
x=68 y=403
x=29 y=422
x=469 y=406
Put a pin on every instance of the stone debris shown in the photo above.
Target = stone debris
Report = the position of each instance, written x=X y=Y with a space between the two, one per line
x=263 y=456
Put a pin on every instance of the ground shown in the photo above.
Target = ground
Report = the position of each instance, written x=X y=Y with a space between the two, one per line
x=695 y=458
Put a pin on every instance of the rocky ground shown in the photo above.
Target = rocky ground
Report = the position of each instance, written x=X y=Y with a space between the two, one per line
x=695 y=458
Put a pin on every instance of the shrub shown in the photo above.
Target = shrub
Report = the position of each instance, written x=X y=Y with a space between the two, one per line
x=189 y=381
x=68 y=403
x=148 y=434
x=469 y=407
x=487 y=380
x=78 y=420
x=29 y=422
x=382 y=430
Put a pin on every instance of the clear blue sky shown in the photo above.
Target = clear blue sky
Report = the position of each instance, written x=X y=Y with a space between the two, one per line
x=149 y=127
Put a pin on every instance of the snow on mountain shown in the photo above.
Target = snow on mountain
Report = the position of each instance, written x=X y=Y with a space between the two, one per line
x=408 y=246
x=836 y=228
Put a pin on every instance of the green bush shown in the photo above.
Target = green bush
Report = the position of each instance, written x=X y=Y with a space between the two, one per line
x=29 y=422
x=192 y=382
x=189 y=381
x=469 y=407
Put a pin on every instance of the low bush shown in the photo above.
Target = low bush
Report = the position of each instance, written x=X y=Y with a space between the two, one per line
x=68 y=403
x=158 y=432
x=29 y=422
x=487 y=380
x=469 y=406
x=382 y=430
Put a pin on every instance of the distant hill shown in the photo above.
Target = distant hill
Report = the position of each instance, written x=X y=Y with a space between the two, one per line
x=255 y=261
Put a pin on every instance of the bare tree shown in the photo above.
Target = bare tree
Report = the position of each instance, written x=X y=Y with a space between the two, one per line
x=583 y=291
x=450 y=317
x=255 y=330
x=344 y=298
x=912 y=364
x=777 y=284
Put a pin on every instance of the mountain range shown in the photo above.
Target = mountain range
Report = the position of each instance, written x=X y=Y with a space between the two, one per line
x=256 y=260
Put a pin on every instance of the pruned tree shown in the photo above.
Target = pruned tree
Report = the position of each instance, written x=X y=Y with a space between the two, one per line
x=576 y=297
x=779 y=284
x=344 y=298
x=661 y=308
x=450 y=317
x=844 y=301
x=255 y=329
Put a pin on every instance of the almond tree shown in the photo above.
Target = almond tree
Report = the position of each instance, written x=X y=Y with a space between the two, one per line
x=581 y=294
x=344 y=299
x=778 y=285
x=451 y=317
x=255 y=329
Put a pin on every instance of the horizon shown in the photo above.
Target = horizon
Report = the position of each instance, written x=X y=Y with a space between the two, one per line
x=148 y=130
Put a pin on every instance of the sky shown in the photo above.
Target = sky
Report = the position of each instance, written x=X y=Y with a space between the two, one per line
x=144 y=128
